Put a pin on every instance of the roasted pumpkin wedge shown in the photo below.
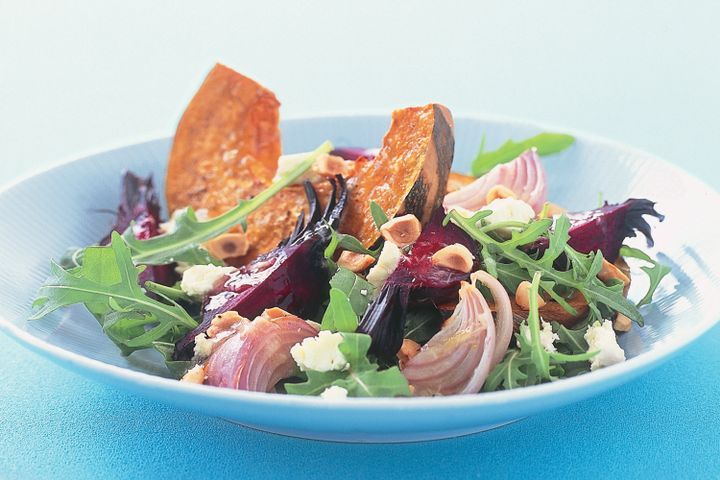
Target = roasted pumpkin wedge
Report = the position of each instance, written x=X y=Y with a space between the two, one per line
x=226 y=145
x=275 y=220
x=408 y=175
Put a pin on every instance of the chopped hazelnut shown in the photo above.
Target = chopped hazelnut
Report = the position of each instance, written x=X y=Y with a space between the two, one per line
x=223 y=322
x=227 y=245
x=553 y=209
x=408 y=350
x=622 y=323
x=195 y=375
x=455 y=256
x=402 y=231
x=330 y=165
x=610 y=271
x=355 y=262
x=275 y=312
x=499 y=191
x=522 y=296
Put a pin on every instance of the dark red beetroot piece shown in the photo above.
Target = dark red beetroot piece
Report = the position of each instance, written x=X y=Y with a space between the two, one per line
x=415 y=281
x=606 y=228
x=294 y=276
x=139 y=206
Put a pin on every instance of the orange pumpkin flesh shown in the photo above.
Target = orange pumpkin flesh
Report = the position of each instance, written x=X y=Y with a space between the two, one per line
x=409 y=174
x=226 y=145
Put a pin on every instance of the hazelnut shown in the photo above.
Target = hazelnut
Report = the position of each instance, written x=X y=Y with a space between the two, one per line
x=330 y=165
x=223 y=322
x=522 y=296
x=402 y=231
x=227 y=245
x=455 y=256
x=195 y=375
x=499 y=191
x=610 y=271
x=553 y=209
x=622 y=323
x=355 y=262
x=408 y=350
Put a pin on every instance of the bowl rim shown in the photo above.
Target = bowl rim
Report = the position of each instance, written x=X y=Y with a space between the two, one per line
x=613 y=374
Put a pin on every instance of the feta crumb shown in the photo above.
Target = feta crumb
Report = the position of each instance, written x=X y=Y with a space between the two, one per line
x=386 y=264
x=547 y=336
x=508 y=210
x=321 y=353
x=334 y=392
x=601 y=338
x=203 y=346
x=170 y=226
x=199 y=280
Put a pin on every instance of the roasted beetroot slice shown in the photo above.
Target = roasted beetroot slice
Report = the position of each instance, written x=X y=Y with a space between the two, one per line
x=139 y=206
x=293 y=276
x=384 y=320
x=606 y=228
x=416 y=281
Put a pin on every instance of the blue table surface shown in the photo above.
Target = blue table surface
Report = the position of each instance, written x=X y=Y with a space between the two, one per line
x=84 y=76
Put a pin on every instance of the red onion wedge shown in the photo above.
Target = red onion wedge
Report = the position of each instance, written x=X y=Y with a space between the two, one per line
x=257 y=356
x=525 y=176
x=459 y=358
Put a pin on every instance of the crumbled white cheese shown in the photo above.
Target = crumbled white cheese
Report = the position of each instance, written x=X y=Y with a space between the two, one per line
x=508 y=210
x=170 y=226
x=198 y=280
x=203 y=346
x=386 y=264
x=601 y=338
x=321 y=353
x=334 y=392
x=547 y=336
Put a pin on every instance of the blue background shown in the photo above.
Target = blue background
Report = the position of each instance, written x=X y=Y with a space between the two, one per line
x=85 y=77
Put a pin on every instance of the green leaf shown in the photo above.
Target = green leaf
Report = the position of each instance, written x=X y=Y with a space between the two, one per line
x=346 y=242
x=571 y=341
x=509 y=373
x=358 y=291
x=577 y=277
x=171 y=293
x=362 y=379
x=378 y=215
x=656 y=272
x=546 y=144
x=339 y=315
x=422 y=323
x=177 y=368
x=557 y=239
x=538 y=354
x=184 y=244
x=107 y=283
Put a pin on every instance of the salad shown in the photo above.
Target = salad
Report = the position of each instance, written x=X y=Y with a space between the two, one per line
x=354 y=271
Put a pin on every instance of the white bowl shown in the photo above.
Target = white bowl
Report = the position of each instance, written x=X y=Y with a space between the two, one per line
x=47 y=212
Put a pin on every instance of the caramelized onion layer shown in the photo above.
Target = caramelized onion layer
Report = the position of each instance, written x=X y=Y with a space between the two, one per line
x=257 y=356
x=524 y=176
x=459 y=358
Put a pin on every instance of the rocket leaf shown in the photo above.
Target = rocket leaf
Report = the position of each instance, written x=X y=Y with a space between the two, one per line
x=362 y=379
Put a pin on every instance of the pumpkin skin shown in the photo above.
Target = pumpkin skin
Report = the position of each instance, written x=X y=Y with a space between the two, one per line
x=409 y=174
x=226 y=145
